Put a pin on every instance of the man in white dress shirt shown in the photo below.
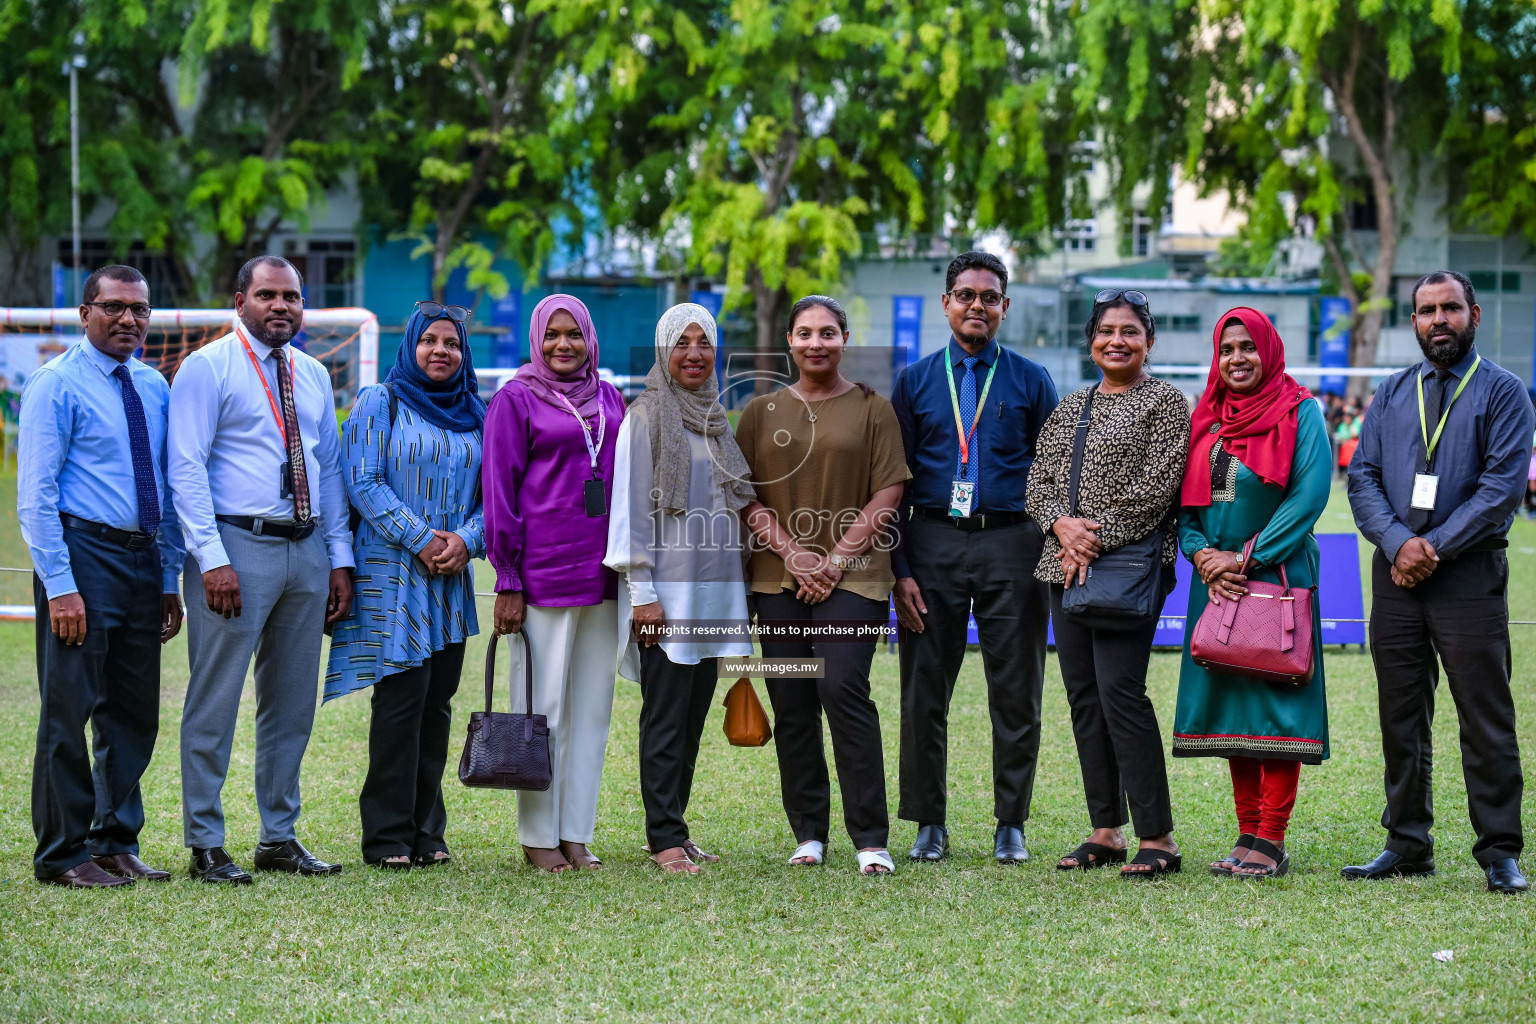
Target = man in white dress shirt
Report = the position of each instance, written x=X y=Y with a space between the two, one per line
x=255 y=470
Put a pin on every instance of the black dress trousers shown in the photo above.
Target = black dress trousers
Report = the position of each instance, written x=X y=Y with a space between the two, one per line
x=1119 y=744
x=1461 y=614
x=991 y=574
x=852 y=718
x=402 y=799
x=674 y=705
x=110 y=683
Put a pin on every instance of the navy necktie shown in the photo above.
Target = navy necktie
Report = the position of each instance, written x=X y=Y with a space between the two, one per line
x=972 y=469
x=138 y=444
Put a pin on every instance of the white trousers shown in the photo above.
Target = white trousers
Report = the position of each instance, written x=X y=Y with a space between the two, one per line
x=574 y=654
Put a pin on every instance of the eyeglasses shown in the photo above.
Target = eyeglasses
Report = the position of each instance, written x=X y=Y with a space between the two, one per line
x=458 y=314
x=140 y=310
x=1130 y=295
x=967 y=296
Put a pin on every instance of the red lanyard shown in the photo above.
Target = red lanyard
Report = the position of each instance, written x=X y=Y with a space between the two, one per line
x=277 y=412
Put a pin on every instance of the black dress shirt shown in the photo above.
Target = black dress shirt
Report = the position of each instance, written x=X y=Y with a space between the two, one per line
x=1482 y=459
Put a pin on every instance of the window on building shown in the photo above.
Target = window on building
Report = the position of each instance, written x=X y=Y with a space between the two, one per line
x=158 y=269
x=1140 y=229
x=329 y=269
x=1182 y=322
x=1079 y=235
x=1511 y=282
x=1484 y=280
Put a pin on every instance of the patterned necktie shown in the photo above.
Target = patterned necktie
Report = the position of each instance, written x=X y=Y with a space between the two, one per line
x=138 y=445
x=972 y=471
x=295 y=440
x=1434 y=397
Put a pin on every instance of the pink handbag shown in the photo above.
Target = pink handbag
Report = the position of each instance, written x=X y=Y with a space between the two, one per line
x=1265 y=634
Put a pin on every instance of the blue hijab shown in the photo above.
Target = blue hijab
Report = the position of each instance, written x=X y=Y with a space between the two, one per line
x=454 y=404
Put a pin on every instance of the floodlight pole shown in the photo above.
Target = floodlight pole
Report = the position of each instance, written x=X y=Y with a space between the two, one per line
x=76 y=62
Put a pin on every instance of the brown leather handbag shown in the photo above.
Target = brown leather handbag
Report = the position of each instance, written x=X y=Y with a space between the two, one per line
x=506 y=750
x=1265 y=634
x=746 y=723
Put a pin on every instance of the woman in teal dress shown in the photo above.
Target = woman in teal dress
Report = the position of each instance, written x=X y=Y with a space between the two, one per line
x=1259 y=464
x=412 y=451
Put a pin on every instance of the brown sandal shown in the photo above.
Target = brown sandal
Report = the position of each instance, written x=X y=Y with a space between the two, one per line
x=552 y=861
x=676 y=862
x=579 y=856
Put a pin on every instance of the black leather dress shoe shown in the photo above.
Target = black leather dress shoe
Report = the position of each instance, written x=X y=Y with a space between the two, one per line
x=293 y=858
x=1008 y=845
x=127 y=865
x=932 y=843
x=214 y=866
x=88 y=875
x=1504 y=876
x=1388 y=865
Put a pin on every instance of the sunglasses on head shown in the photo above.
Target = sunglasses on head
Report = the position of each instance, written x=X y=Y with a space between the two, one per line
x=1130 y=295
x=458 y=314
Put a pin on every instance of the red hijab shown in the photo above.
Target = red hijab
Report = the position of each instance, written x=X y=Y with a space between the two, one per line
x=1258 y=428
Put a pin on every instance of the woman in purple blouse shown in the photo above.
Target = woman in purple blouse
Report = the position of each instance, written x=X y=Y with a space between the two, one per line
x=548 y=479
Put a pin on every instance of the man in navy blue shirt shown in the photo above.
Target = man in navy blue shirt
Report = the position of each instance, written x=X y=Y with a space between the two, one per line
x=107 y=552
x=969 y=416
x=1434 y=484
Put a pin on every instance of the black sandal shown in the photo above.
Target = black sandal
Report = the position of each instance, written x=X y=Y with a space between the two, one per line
x=1276 y=853
x=1223 y=868
x=1090 y=856
x=1158 y=862
x=396 y=862
x=432 y=860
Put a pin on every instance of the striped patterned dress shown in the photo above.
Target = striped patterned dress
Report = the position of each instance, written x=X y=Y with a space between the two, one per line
x=406 y=479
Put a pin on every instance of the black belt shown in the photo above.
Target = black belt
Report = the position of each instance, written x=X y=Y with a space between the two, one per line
x=267 y=528
x=134 y=539
x=980 y=521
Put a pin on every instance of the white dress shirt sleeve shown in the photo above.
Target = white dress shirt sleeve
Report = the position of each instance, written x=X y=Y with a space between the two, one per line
x=335 y=512
x=194 y=418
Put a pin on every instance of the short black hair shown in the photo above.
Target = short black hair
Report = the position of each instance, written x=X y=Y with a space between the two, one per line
x=1143 y=313
x=975 y=260
x=243 y=279
x=115 y=272
x=1440 y=277
x=826 y=302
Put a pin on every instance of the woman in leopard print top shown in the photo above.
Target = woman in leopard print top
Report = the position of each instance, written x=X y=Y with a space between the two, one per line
x=1133 y=465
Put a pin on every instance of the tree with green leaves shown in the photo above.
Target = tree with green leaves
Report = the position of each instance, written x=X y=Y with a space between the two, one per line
x=1296 y=108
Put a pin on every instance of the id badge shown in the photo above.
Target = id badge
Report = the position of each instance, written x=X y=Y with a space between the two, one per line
x=285 y=480
x=1425 y=486
x=961 y=497
x=597 y=501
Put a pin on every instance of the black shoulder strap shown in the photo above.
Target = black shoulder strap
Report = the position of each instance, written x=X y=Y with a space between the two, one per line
x=1079 y=443
x=394 y=404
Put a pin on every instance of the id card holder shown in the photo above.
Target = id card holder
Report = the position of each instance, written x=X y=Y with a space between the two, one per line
x=285 y=480
x=596 y=500
x=1425 y=486
x=962 y=495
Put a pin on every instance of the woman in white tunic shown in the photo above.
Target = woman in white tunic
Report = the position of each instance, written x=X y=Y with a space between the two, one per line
x=675 y=537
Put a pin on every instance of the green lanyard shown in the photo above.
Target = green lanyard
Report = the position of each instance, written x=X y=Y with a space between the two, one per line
x=1431 y=442
x=981 y=403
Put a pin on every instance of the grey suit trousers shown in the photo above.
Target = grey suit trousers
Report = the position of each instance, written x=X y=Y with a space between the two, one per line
x=284 y=586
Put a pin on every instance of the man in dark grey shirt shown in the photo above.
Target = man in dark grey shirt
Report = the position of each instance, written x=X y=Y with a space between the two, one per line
x=1434 y=485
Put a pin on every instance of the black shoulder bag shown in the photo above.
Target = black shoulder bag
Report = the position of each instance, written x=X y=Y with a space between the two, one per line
x=506 y=750
x=1124 y=588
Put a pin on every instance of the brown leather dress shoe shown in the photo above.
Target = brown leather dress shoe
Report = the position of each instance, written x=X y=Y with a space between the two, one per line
x=87 y=876
x=128 y=865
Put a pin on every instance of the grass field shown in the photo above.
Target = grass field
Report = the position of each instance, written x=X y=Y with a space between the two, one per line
x=489 y=939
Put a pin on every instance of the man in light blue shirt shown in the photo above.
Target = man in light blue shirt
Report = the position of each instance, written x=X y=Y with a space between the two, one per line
x=255 y=465
x=106 y=549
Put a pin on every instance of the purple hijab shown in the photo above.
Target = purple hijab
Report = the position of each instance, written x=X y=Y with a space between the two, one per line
x=580 y=388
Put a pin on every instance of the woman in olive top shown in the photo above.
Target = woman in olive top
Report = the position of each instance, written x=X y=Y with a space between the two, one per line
x=1258 y=466
x=1133 y=463
x=828 y=467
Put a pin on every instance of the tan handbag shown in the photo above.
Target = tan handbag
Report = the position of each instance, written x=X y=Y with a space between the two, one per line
x=746 y=723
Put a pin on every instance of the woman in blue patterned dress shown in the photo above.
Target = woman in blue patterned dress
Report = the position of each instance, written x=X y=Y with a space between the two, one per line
x=414 y=477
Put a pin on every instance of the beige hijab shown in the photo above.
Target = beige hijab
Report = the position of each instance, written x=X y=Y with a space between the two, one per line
x=673 y=409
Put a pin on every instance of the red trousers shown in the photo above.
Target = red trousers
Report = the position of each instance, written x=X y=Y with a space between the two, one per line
x=1265 y=793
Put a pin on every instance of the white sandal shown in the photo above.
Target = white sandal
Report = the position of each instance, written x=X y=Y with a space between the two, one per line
x=876 y=858
x=812 y=848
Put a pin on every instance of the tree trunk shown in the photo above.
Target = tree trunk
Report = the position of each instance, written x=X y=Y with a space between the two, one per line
x=770 y=304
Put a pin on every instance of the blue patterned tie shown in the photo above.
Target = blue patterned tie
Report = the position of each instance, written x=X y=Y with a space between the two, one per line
x=138 y=443
x=968 y=414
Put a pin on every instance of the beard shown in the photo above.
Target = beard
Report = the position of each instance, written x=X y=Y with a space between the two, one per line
x=1447 y=351
x=274 y=336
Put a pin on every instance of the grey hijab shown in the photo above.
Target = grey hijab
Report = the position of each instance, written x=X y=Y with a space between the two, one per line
x=672 y=409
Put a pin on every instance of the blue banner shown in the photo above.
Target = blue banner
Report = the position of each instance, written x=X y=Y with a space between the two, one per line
x=507 y=312
x=1335 y=318
x=907 y=314
x=711 y=301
